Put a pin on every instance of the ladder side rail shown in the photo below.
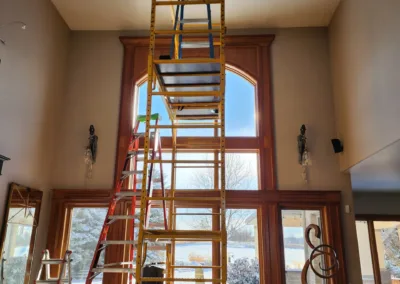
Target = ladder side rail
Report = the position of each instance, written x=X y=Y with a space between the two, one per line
x=131 y=223
x=146 y=144
x=181 y=29
x=162 y=184
x=210 y=35
x=150 y=187
x=69 y=269
x=224 y=261
x=173 y=44
x=64 y=263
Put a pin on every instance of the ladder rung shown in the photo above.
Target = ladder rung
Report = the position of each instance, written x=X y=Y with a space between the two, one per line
x=182 y=234
x=51 y=281
x=173 y=74
x=53 y=261
x=201 y=104
x=131 y=173
x=121 y=217
x=202 y=280
x=188 y=94
x=186 y=126
x=127 y=193
x=182 y=32
x=196 y=266
x=113 y=270
x=196 y=21
x=192 y=85
x=136 y=153
x=200 y=199
x=195 y=44
x=185 y=161
x=118 y=242
x=196 y=214
x=189 y=61
x=195 y=167
x=193 y=2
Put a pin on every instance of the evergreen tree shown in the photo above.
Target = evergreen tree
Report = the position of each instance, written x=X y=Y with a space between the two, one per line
x=244 y=271
x=85 y=232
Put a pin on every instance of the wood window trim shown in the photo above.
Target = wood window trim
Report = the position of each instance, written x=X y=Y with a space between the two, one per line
x=250 y=54
x=370 y=219
x=268 y=205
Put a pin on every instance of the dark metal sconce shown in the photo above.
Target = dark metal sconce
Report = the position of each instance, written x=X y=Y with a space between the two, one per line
x=2 y=159
x=302 y=143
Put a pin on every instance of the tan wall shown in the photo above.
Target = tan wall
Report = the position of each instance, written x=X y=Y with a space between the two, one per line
x=302 y=94
x=365 y=65
x=93 y=93
x=32 y=81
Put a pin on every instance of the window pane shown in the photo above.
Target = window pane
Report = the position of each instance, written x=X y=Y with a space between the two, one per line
x=157 y=106
x=243 y=264
x=16 y=244
x=365 y=252
x=241 y=171
x=388 y=246
x=239 y=106
x=85 y=231
x=296 y=249
x=193 y=253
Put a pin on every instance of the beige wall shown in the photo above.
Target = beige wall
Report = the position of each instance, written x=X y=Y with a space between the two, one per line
x=92 y=97
x=364 y=49
x=301 y=87
x=302 y=94
x=32 y=81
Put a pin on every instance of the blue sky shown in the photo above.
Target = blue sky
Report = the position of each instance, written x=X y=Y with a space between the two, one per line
x=240 y=121
x=239 y=108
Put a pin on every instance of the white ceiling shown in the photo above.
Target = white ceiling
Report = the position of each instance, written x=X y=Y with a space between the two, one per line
x=240 y=14
x=379 y=172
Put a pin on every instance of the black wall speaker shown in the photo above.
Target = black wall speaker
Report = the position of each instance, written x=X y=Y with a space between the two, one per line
x=337 y=145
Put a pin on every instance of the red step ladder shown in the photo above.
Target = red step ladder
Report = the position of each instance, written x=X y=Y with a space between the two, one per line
x=130 y=169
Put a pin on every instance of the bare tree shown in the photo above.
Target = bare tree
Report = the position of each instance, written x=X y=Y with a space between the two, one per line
x=238 y=175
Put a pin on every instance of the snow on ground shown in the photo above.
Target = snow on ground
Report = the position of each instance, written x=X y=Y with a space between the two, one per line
x=293 y=257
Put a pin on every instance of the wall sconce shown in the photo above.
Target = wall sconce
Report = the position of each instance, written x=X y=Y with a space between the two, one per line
x=304 y=158
x=91 y=151
x=2 y=159
x=21 y=24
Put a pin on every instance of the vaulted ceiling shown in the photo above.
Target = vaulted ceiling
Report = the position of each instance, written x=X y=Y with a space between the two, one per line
x=240 y=14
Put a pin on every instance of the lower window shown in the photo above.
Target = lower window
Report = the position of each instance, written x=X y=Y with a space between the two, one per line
x=379 y=248
x=86 y=224
x=296 y=250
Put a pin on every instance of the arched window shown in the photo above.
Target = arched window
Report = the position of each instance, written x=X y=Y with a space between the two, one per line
x=242 y=158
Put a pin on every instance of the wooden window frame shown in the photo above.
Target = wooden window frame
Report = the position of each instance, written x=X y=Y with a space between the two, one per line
x=268 y=204
x=247 y=56
x=370 y=219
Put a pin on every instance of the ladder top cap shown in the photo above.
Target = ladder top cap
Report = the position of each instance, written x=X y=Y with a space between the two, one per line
x=154 y=116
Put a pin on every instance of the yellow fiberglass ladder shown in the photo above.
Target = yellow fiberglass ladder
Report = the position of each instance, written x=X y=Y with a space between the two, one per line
x=193 y=89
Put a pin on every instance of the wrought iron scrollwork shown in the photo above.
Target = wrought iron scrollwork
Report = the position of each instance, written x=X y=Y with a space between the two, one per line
x=325 y=252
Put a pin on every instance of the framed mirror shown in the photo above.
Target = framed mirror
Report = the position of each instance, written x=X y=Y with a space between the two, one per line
x=18 y=234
